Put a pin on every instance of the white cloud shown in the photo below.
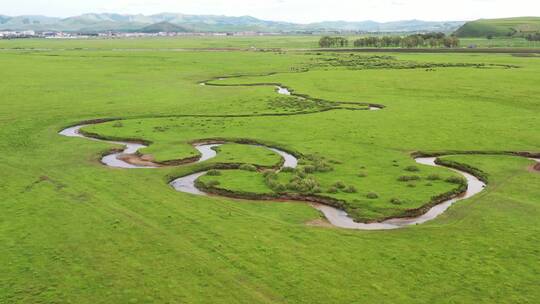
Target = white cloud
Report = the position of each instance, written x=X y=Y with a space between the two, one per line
x=288 y=10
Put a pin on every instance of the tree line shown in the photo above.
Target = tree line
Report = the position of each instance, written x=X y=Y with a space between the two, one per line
x=329 y=42
x=533 y=37
x=432 y=40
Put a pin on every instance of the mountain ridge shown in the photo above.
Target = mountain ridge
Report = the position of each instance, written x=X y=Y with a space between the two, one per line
x=209 y=23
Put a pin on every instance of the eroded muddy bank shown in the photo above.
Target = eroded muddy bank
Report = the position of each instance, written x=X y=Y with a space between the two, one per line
x=535 y=167
x=129 y=157
x=114 y=159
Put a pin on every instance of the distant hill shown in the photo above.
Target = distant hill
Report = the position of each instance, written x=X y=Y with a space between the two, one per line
x=519 y=26
x=395 y=26
x=164 y=27
x=209 y=23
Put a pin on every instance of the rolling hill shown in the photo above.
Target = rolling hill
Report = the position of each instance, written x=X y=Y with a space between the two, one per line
x=519 y=26
x=164 y=27
x=209 y=23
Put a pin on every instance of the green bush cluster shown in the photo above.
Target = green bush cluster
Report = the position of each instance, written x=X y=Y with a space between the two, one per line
x=365 y=62
x=293 y=104
x=341 y=186
x=433 y=177
x=350 y=189
x=304 y=185
x=396 y=201
x=318 y=163
x=407 y=178
x=372 y=195
x=412 y=169
x=213 y=172
x=456 y=180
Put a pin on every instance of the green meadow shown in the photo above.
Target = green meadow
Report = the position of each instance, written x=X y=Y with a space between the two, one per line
x=75 y=231
x=227 y=42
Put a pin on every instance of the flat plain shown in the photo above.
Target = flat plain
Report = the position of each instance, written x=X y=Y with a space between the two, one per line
x=76 y=231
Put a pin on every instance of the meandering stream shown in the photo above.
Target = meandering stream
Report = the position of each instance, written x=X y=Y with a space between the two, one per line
x=336 y=217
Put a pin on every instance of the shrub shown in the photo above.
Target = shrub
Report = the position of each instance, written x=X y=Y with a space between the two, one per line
x=213 y=172
x=339 y=185
x=433 y=177
x=268 y=174
x=396 y=201
x=279 y=187
x=412 y=169
x=287 y=169
x=303 y=185
x=332 y=190
x=248 y=167
x=406 y=178
x=411 y=185
x=429 y=184
x=350 y=189
x=300 y=174
x=362 y=174
x=455 y=180
x=322 y=167
x=309 y=169
x=372 y=195
x=293 y=185
x=118 y=124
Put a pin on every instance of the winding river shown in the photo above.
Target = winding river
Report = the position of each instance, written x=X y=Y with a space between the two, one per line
x=336 y=217
x=285 y=91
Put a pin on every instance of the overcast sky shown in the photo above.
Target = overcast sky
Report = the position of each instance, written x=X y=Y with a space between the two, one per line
x=287 y=10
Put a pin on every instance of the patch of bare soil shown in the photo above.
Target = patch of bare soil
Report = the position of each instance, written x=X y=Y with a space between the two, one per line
x=144 y=160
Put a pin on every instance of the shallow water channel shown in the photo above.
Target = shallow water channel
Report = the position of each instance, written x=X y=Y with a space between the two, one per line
x=336 y=217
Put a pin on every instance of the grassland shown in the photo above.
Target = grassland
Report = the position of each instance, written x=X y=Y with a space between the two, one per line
x=169 y=43
x=238 y=42
x=75 y=231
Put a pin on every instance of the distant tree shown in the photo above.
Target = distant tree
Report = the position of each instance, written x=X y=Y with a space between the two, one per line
x=327 y=42
x=489 y=36
x=533 y=37
x=451 y=42
x=433 y=42
x=396 y=41
x=436 y=35
x=408 y=42
x=386 y=41
x=412 y=41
